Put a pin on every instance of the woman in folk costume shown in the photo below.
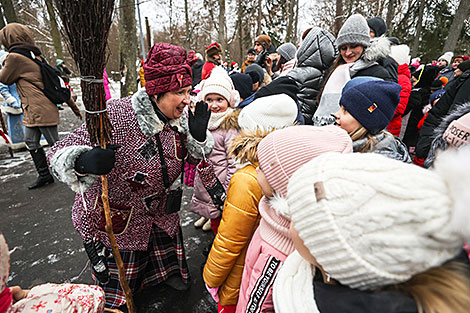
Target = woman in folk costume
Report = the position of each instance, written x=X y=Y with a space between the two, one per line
x=152 y=138
x=46 y=298
x=374 y=234
x=220 y=95
x=213 y=59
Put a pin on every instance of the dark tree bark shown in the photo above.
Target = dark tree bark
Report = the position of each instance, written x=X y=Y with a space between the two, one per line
x=259 y=18
x=390 y=14
x=9 y=11
x=2 y=21
x=290 y=21
x=455 y=29
x=54 y=30
x=419 y=27
x=222 y=37
x=128 y=47
x=187 y=26
x=339 y=15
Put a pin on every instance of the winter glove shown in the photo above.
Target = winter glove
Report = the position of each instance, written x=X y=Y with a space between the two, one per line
x=97 y=161
x=11 y=101
x=97 y=253
x=261 y=61
x=199 y=120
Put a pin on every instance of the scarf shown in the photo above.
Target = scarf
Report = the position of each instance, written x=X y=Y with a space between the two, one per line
x=217 y=118
x=293 y=287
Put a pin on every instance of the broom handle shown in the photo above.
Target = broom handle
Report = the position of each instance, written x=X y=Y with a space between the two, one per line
x=114 y=247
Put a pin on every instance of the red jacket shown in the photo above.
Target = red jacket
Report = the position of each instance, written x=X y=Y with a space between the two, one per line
x=404 y=80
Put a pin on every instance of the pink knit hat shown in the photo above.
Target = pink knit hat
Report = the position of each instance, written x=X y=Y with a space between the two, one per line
x=458 y=132
x=283 y=151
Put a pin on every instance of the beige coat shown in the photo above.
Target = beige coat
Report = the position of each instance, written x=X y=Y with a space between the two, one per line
x=38 y=110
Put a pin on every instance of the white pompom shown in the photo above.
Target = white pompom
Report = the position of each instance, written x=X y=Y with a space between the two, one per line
x=454 y=168
x=279 y=203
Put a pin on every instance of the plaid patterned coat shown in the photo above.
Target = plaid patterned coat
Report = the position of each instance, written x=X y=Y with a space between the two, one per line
x=136 y=192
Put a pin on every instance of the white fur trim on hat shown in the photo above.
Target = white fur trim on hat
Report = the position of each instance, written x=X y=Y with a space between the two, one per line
x=371 y=221
x=267 y=113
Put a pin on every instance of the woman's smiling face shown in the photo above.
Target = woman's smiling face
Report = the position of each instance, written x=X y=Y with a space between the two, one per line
x=351 y=52
x=173 y=102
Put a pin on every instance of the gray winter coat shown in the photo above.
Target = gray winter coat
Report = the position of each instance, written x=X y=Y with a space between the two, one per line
x=439 y=144
x=387 y=145
x=315 y=55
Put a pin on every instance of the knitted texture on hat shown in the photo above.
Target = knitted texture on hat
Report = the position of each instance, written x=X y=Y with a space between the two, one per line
x=267 y=113
x=463 y=57
x=401 y=54
x=465 y=65
x=354 y=31
x=372 y=103
x=167 y=68
x=258 y=70
x=4 y=263
x=243 y=84
x=287 y=51
x=283 y=151
x=219 y=83
x=371 y=221
x=378 y=25
x=458 y=132
x=447 y=57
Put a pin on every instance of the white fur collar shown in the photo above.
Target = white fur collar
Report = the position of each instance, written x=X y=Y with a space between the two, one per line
x=293 y=287
x=148 y=120
x=379 y=48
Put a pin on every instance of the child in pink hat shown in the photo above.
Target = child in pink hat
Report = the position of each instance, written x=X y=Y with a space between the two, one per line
x=280 y=154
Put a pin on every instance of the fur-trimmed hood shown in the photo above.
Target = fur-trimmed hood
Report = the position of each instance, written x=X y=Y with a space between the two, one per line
x=379 y=48
x=148 y=120
x=231 y=120
x=438 y=142
x=245 y=146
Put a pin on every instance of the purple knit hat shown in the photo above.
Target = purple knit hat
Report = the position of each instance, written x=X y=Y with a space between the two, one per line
x=167 y=68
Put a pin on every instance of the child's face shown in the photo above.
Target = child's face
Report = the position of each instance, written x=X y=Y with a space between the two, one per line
x=264 y=184
x=217 y=103
x=346 y=121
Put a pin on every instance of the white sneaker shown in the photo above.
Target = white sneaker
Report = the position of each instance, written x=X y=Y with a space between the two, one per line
x=207 y=226
x=200 y=222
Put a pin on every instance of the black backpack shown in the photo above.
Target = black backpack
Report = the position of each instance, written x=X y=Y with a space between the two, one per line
x=54 y=86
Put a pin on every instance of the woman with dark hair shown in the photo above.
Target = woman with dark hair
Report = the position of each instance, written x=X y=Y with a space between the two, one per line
x=152 y=139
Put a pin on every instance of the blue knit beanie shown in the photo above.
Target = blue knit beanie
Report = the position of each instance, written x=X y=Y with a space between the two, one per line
x=372 y=103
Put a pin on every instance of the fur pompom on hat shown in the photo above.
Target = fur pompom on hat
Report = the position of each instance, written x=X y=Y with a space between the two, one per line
x=220 y=83
x=167 y=68
x=268 y=113
x=372 y=103
x=378 y=26
x=346 y=210
x=283 y=151
x=354 y=31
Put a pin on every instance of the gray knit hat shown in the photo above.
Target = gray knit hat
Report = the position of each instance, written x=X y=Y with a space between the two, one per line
x=354 y=31
x=287 y=51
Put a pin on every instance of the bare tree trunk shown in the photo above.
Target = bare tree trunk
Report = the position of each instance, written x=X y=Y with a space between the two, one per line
x=9 y=11
x=456 y=27
x=296 y=25
x=419 y=26
x=128 y=47
x=188 y=34
x=290 y=20
x=338 y=16
x=54 y=30
x=222 y=37
x=390 y=14
x=2 y=21
x=149 y=33
x=259 y=18
x=240 y=31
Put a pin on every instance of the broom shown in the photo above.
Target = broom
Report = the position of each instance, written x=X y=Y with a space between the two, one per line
x=87 y=24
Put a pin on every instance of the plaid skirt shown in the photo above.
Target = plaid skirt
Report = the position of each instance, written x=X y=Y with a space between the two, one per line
x=164 y=257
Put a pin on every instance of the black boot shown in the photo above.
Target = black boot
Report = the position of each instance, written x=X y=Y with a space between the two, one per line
x=45 y=177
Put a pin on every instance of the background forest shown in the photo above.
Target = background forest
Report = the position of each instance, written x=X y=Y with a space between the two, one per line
x=429 y=27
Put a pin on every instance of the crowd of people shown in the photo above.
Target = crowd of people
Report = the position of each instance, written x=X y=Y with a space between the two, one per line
x=332 y=175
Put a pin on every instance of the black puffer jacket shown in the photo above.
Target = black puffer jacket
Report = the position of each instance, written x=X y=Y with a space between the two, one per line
x=457 y=93
x=314 y=56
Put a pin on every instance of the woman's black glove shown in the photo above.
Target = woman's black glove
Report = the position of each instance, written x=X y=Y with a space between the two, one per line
x=199 y=120
x=97 y=161
x=98 y=254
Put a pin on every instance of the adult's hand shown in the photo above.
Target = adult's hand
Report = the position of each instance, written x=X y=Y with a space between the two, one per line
x=198 y=121
x=97 y=161
x=96 y=254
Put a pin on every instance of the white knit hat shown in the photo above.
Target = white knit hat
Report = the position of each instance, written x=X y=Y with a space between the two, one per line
x=401 y=54
x=447 y=57
x=267 y=113
x=220 y=83
x=371 y=221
